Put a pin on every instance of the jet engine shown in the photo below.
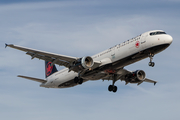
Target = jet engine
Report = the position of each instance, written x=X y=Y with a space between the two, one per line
x=82 y=63
x=87 y=62
x=136 y=76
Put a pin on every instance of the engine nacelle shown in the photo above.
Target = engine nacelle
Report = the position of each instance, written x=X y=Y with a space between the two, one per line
x=140 y=75
x=136 y=76
x=87 y=62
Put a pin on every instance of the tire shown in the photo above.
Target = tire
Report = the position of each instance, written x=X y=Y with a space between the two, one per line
x=114 y=89
x=150 y=63
x=80 y=81
x=153 y=64
x=110 y=88
x=76 y=80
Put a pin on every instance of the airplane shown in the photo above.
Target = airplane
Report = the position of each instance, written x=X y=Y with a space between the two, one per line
x=106 y=65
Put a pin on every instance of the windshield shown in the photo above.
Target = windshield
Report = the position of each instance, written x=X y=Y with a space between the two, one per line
x=157 y=33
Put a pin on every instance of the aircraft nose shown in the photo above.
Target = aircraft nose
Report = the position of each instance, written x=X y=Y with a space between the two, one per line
x=169 y=39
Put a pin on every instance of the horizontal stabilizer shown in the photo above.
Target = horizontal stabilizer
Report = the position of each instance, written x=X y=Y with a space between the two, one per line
x=33 y=79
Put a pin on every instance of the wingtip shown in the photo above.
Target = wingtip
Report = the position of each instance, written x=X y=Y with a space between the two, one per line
x=6 y=45
x=155 y=83
x=19 y=76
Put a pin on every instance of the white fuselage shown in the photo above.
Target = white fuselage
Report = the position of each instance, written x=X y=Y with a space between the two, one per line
x=114 y=54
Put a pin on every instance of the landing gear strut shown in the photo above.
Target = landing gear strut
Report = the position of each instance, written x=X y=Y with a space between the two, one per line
x=151 y=58
x=113 y=87
x=78 y=79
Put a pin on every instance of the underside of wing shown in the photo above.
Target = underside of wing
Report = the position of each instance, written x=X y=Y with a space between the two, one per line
x=33 y=79
x=150 y=81
x=137 y=77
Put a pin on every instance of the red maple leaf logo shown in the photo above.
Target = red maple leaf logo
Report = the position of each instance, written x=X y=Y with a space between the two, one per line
x=137 y=44
x=48 y=69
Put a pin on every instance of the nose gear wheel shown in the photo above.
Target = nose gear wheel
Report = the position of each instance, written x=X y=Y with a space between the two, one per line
x=152 y=64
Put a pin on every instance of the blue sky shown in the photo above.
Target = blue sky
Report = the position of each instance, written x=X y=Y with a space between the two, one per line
x=80 y=28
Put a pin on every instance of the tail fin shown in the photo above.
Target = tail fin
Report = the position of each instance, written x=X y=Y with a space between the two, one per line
x=49 y=70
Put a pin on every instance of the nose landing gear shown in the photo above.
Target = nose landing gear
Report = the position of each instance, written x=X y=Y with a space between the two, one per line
x=152 y=64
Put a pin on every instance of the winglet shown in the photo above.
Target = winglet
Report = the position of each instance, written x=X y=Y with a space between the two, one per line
x=155 y=83
x=6 y=45
x=10 y=45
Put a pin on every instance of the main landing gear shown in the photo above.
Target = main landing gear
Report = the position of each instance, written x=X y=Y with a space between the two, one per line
x=113 y=87
x=78 y=80
x=151 y=58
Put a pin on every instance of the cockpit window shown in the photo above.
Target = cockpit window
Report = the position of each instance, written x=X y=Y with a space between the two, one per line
x=157 y=33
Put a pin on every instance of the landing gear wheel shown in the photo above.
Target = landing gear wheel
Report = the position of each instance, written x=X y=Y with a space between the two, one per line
x=114 y=89
x=76 y=80
x=110 y=88
x=80 y=81
x=151 y=58
x=152 y=64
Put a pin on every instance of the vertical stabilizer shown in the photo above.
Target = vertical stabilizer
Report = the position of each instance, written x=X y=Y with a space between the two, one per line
x=49 y=70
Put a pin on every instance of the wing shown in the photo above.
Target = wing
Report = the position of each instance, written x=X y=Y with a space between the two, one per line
x=33 y=79
x=58 y=59
x=122 y=74
x=61 y=60
x=150 y=81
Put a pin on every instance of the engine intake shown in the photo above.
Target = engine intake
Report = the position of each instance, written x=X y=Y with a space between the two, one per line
x=87 y=62
x=136 y=76
x=140 y=74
